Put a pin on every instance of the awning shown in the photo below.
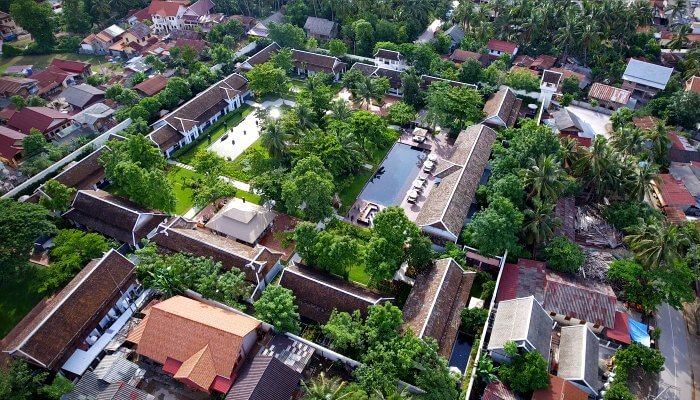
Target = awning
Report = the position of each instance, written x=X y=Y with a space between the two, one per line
x=621 y=332
x=639 y=334
x=171 y=365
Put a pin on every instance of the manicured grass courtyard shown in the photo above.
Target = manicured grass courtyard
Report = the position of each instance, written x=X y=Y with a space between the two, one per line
x=17 y=297
x=177 y=177
x=238 y=168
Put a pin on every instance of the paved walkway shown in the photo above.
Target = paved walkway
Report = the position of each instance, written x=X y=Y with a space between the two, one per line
x=673 y=345
x=429 y=32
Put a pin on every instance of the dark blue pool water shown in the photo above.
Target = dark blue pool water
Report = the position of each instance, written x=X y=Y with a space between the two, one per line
x=394 y=177
x=461 y=350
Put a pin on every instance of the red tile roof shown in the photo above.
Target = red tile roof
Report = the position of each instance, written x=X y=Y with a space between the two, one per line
x=675 y=141
x=497 y=390
x=675 y=215
x=502 y=46
x=647 y=122
x=560 y=389
x=42 y=118
x=674 y=193
x=621 y=331
x=10 y=143
x=164 y=8
x=153 y=85
x=77 y=67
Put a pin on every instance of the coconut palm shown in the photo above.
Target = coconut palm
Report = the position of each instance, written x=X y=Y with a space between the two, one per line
x=657 y=244
x=598 y=168
x=658 y=142
x=544 y=179
x=680 y=37
x=340 y=110
x=628 y=140
x=305 y=116
x=642 y=179
x=274 y=139
x=322 y=388
x=369 y=89
x=568 y=35
x=540 y=223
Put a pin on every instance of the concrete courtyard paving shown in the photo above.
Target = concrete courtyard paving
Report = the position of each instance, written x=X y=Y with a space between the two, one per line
x=237 y=139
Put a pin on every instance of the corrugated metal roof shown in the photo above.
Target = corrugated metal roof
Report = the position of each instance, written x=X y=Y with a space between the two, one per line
x=648 y=74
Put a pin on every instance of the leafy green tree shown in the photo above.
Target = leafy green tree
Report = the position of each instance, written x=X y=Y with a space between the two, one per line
x=473 y=319
x=101 y=10
x=545 y=179
x=335 y=253
x=20 y=382
x=495 y=229
x=283 y=59
x=401 y=113
x=287 y=35
x=266 y=78
x=337 y=47
x=523 y=80
x=232 y=28
x=453 y=107
x=276 y=306
x=137 y=78
x=619 y=391
x=58 y=387
x=57 y=196
x=20 y=225
x=623 y=215
x=305 y=235
x=228 y=288
x=363 y=34
x=412 y=93
x=37 y=19
x=72 y=250
x=18 y=102
x=34 y=143
x=570 y=86
x=441 y=43
x=656 y=244
x=309 y=189
x=470 y=72
x=423 y=57
x=525 y=373
x=368 y=129
x=383 y=322
x=510 y=187
x=344 y=329
x=563 y=255
x=684 y=109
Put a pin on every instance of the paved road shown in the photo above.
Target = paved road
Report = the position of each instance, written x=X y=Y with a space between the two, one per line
x=429 y=33
x=674 y=347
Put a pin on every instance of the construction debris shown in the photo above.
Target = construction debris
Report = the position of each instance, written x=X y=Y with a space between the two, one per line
x=593 y=230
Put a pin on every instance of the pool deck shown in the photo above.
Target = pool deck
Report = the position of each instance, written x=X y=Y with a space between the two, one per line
x=441 y=146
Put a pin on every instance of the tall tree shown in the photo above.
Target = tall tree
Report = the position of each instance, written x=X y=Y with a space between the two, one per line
x=75 y=16
x=276 y=306
x=38 y=19
x=309 y=189
x=21 y=224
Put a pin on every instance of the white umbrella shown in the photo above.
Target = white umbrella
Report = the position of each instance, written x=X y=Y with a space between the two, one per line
x=418 y=183
x=429 y=164
x=432 y=157
x=412 y=194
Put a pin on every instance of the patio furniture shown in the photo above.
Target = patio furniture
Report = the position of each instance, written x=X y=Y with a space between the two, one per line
x=418 y=184
x=428 y=166
x=412 y=196
x=419 y=135
x=366 y=212
x=432 y=157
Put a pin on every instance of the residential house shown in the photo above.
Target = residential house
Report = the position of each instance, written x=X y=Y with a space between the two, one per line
x=82 y=69
x=94 y=118
x=436 y=300
x=83 y=95
x=199 y=16
x=200 y=345
x=609 y=96
x=114 y=378
x=671 y=192
x=190 y=120
x=99 y=43
x=455 y=33
x=140 y=15
x=460 y=56
x=260 y=57
x=68 y=330
x=112 y=216
x=265 y=377
x=259 y=263
x=391 y=59
x=307 y=63
x=185 y=34
x=560 y=389
x=502 y=109
x=320 y=28
x=16 y=86
x=46 y=120
x=152 y=86
x=53 y=79
x=523 y=321
x=444 y=212
x=693 y=84
x=318 y=293
x=497 y=48
x=582 y=75
x=577 y=358
x=167 y=15
x=688 y=174
x=549 y=85
x=242 y=220
x=393 y=75
x=568 y=299
x=644 y=79
x=258 y=30
x=87 y=173
x=135 y=40
x=248 y=22
x=136 y=65
x=11 y=146
x=8 y=25
x=541 y=63
x=567 y=123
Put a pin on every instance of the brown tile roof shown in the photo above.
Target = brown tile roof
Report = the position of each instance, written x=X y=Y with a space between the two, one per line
x=84 y=173
x=265 y=378
x=52 y=330
x=10 y=143
x=318 y=293
x=207 y=340
x=504 y=105
x=647 y=122
x=51 y=78
x=389 y=55
x=543 y=62
x=448 y=203
x=498 y=390
x=260 y=57
x=392 y=75
x=166 y=137
x=427 y=80
x=553 y=77
x=152 y=86
x=181 y=235
x=581 y=299
x=112 y=216
x=461 y=56
x=560 y=389
x=693 y=84
x=523 y=61
x=434 y=305
x=603 y=92
x=317 y=62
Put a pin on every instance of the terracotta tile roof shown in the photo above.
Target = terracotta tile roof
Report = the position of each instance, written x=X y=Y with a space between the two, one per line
x=498 y=390
x=53 y=329
x=503 y=105
x=152 y=86
x=318 y=293
x=76 y=67
x=448 y=204
x=460 y=56
x=553 y=77
x=207 y=340
x=566 y=73
x=164 y=8
x=10 y=143
x=260 y=57
x=317 y=62
x=265 y=378
x=42 y=118
x=674 y=193
x=502 y=46
x=543 y=62
x=141 y=15
x=621 y=331
x=693 y=84
x=566 y=212
x=603 y=92
x=523 y=61
x=647 y=122
x=560 y=389
x=581 y=299
x=434 y=305
x=112 y=216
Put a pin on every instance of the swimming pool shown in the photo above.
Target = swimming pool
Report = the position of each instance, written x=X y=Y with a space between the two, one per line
x=394 y=177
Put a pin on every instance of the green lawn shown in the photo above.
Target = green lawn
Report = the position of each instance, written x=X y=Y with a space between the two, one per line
x=214 y=132
x=41 y=61
x=177 y=177
x=17 y=297
x=247 y=196
x=358 y=274
x=236 y=169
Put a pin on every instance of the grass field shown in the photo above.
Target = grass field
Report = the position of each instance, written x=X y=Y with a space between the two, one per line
x=41 y=61
x=236 y=169
x=17 y=297
x=177 y=177
x=358 y=274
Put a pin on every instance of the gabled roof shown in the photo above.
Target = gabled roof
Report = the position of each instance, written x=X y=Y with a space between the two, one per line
x=318 y=293
x=207 y=341
x=56 y=325
x=566 y=120
x=242 y=220
x=498 y=390
x=502 y=46
x=448 y=203
x=693 y=84
x=140 y=30
x=526 y=278
x=260 y=57
x=427 y=80
x=674 y=193
x=394 y=76
x=84 y=173
x=553 y=77
x=612 y=94
x=581 y=299
x=436 y=300
x=543 y=61
x=140 y=15
x=578 y=356
x=560 y=389
x=319 y=26
x=389 y=55
x=42 y=118
x=317 y=62
x=51 y=78
x=153 y=85
x=82 y=95
x=460 y=55
x=522 y=320
x=455 y=33
x=503 y=106
x=647 y=74
x=113 y=216
x=12 y=84
x=10 y=142
x=165 y=8
x=200 y=8
x=77 y=67
x=265 y=378
x=93 y=113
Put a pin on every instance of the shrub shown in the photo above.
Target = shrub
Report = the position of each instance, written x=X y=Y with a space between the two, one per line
x=563 y=255
x=9 y=50
x=627 y=214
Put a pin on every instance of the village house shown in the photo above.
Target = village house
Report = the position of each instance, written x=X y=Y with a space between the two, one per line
x=393 y=75
x=265 y=377
x=8 y=26
x=16 y=86
x=436 y=300
x=502 y=109
x=82 y=96
x=307 y=63
x=53 y=79
x=11 y=146
x=241 y=220
x=94 y=118
x=198 y=16
x=609 y=96
x=46 y=120
x=99 y=43
x=112 y=216
x=188 y=121
x=318 y=293
x=455 y=33
x=259 y=264
x=445 y=211
x=152 y=86
x=68 y=330
x=541 y=63
x=167 y=15
x=460 y=56
x=497 y=48
x=672 y=193
x=567 y=124
x=560 y=389
x=135 y=40
x=200 y=345
x=320 y=28
x=391 y=59
x=260 y=57
x=644 y=79
x=577 y=358
x=523 y=321
x=135 y=16
x=87 y=173
x=80 y=68
x=247 y=21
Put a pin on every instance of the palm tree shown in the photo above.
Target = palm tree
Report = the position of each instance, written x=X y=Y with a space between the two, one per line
x=589 y=38
x=368 y=89
x=305 y=116
x=658 y=142
x=340 y=110
x=627 y=140
x=322 y=388
x=544 y=179
x=656 y=244
x=274 y=139
x=642 y=179
x=598 y=168
x=680 y=38
x=465 y=14
x=540 y=222
x=567 y=36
